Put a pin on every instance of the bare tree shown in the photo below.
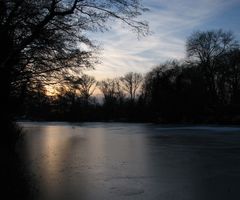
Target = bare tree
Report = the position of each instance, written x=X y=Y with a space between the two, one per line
x=108 y=89
x=130 y=83
x=45 y=39
x=206 y=48
x=111 y=90
x=82 y=86
x=87 y=86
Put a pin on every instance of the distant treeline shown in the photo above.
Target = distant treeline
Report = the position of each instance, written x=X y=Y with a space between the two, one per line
x=203 y=88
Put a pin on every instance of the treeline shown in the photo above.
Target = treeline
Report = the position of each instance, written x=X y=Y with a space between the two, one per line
x=203 y=88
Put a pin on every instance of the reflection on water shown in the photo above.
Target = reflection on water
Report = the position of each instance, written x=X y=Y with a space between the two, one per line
x=131 y=161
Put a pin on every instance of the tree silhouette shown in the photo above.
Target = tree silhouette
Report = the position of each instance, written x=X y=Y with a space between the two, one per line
x=42 y=40
x=206 y=48
x=131 y=83
x=87 y=86
x=111 y=90
x=84 y=85
x=229 y=80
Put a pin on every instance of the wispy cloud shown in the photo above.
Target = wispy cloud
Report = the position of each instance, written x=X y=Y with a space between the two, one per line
x=171 y=21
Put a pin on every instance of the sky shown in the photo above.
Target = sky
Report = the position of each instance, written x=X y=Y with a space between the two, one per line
x=171 y=22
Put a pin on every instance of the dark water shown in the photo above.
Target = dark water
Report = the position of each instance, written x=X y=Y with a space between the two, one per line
x=115 y=161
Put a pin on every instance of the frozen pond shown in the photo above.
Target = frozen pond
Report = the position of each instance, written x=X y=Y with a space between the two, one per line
x=115 y=161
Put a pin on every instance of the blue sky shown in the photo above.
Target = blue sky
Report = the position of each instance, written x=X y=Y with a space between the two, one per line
x=171 y=22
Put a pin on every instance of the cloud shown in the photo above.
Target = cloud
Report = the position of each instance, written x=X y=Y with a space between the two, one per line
x=171 y=21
